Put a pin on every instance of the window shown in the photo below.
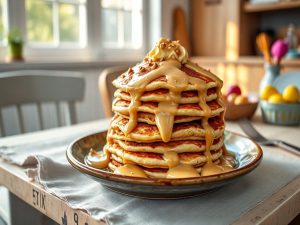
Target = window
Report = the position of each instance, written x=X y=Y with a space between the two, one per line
x=121 y=23
x=56 y=22
x=75 y=29
x=3 y=22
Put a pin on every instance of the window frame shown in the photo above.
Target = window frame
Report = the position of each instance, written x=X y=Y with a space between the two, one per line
x=109 y=52
x=3 y=45
x=56 y=33
x=120 y=12
x=5 y=22
x=93 y=49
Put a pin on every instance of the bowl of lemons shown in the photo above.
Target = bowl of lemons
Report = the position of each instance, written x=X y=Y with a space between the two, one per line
x=280 y=108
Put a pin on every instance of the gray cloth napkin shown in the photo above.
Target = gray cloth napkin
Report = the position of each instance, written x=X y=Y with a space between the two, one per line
x=51 y=143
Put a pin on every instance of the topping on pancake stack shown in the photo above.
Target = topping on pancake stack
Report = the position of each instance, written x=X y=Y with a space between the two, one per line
x=168 y=119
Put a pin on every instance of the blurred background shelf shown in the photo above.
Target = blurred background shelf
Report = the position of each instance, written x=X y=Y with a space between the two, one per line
x=234 y=29
x=247 y=71
x=261 y=7
x=228 y=48
x=247 y=60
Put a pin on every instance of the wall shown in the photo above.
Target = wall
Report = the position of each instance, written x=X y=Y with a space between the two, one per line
x=167 y=15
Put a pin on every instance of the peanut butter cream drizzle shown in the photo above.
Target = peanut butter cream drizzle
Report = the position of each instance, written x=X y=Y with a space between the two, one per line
x=171 y=56
x=210 y=168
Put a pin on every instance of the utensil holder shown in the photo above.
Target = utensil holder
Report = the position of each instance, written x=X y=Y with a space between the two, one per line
x=271 y=73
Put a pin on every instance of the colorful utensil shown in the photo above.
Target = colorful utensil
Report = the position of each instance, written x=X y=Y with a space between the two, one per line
x=278 y=50
x=263 y=42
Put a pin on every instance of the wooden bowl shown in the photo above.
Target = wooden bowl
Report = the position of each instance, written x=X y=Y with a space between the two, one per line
x=235 y=112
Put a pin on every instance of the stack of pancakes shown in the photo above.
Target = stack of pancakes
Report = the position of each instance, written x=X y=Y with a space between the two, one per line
x=168 y=114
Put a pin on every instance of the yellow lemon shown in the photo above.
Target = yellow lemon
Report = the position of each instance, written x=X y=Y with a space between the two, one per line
x=231 y=97
x=291 y=94
x=239 y=100
x=276 y=98
x=268 y=91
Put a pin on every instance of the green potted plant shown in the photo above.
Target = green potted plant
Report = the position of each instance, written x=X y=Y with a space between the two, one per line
x=15 y=45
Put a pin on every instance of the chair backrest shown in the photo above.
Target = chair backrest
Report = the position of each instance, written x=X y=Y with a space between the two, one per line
x=63 y=88
x=106 y=88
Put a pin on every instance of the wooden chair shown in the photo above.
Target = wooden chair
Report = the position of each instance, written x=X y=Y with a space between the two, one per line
x=18 y=88
x=39 y=86
x=106 y=88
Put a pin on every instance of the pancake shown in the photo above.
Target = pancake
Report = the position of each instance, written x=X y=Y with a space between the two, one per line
x=150 y=118
x=174 y=146
x=154 y=172
x=144 y=132
x=192 y=109
x=150 y=159
x=161 y=95
x=125 y=79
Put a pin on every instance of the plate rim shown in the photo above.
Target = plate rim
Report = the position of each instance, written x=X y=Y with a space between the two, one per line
x=101 y=174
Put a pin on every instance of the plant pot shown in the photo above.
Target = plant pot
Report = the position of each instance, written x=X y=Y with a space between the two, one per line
x=15 y=52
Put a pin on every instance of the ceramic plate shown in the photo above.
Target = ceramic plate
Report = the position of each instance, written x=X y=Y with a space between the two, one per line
x=289 y=78
x=248 y=156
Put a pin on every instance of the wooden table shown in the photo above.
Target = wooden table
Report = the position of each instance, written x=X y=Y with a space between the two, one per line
x=280 y=208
